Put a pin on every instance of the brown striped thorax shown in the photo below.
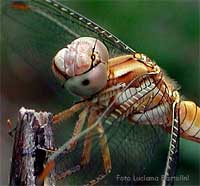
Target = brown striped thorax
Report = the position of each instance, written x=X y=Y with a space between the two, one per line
x=141 y=92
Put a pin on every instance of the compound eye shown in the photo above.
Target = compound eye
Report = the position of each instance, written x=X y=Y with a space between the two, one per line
x=83 y=66
x=80 y=56
x=83 y=54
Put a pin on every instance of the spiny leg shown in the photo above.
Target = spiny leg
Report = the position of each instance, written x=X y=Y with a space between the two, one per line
x=87 y=149
x=104 y=149
x=77 y=129
x=87 y=143
x=86 y=153
x=85 y=158
x=66 y=114
x=105 y=155
x=11 y=129
x=79 y=125
x=102 y=142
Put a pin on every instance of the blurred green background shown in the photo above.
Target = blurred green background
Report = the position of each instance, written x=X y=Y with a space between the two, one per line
x=167 y=31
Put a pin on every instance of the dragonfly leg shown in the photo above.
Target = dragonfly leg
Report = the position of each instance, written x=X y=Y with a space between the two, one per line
x=48 y=150
x=79 y=125
x=48 y=168
x=104 y=149
x=58 y=118
x=77 y=129
x=106 y=157
x=11 y=130
x=66 y=114
x=85 y=158
x=87 y=143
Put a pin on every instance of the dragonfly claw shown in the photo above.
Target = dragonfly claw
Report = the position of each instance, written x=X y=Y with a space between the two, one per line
x=11 y=130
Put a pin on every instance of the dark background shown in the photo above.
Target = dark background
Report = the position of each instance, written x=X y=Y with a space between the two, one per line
x=167 y=31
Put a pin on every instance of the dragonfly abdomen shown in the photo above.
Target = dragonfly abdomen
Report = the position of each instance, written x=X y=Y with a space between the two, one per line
x=190 y=120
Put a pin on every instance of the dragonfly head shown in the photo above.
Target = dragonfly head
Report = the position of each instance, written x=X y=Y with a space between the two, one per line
x=82 y=65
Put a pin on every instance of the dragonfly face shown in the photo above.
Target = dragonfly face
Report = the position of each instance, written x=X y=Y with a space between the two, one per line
x=81 y=64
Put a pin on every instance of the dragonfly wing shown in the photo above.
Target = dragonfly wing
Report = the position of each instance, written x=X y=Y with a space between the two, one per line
x=34 y=36
x=173 y=153
x=132 y=149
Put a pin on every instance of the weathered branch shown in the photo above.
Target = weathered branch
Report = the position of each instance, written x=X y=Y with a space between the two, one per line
x=33 y=135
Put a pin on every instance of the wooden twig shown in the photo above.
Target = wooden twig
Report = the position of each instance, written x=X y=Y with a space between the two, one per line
x=33 y=139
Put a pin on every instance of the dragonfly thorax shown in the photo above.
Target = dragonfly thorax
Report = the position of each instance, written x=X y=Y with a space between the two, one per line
x=83 y=66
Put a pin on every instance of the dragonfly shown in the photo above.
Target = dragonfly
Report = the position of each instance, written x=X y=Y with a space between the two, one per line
x=129 y=86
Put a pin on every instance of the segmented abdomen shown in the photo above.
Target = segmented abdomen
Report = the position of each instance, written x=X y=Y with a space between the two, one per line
x=190 y=121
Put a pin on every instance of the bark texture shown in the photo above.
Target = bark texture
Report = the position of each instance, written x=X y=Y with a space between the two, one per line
x=33 y=135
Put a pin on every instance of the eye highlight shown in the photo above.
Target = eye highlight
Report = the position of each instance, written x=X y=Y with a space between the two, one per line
x=93 y=57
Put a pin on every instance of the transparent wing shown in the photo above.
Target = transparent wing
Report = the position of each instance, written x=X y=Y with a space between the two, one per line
x=35 y=30
x=133 y=149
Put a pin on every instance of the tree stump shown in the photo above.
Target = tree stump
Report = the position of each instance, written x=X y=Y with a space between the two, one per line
x=33 y=138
